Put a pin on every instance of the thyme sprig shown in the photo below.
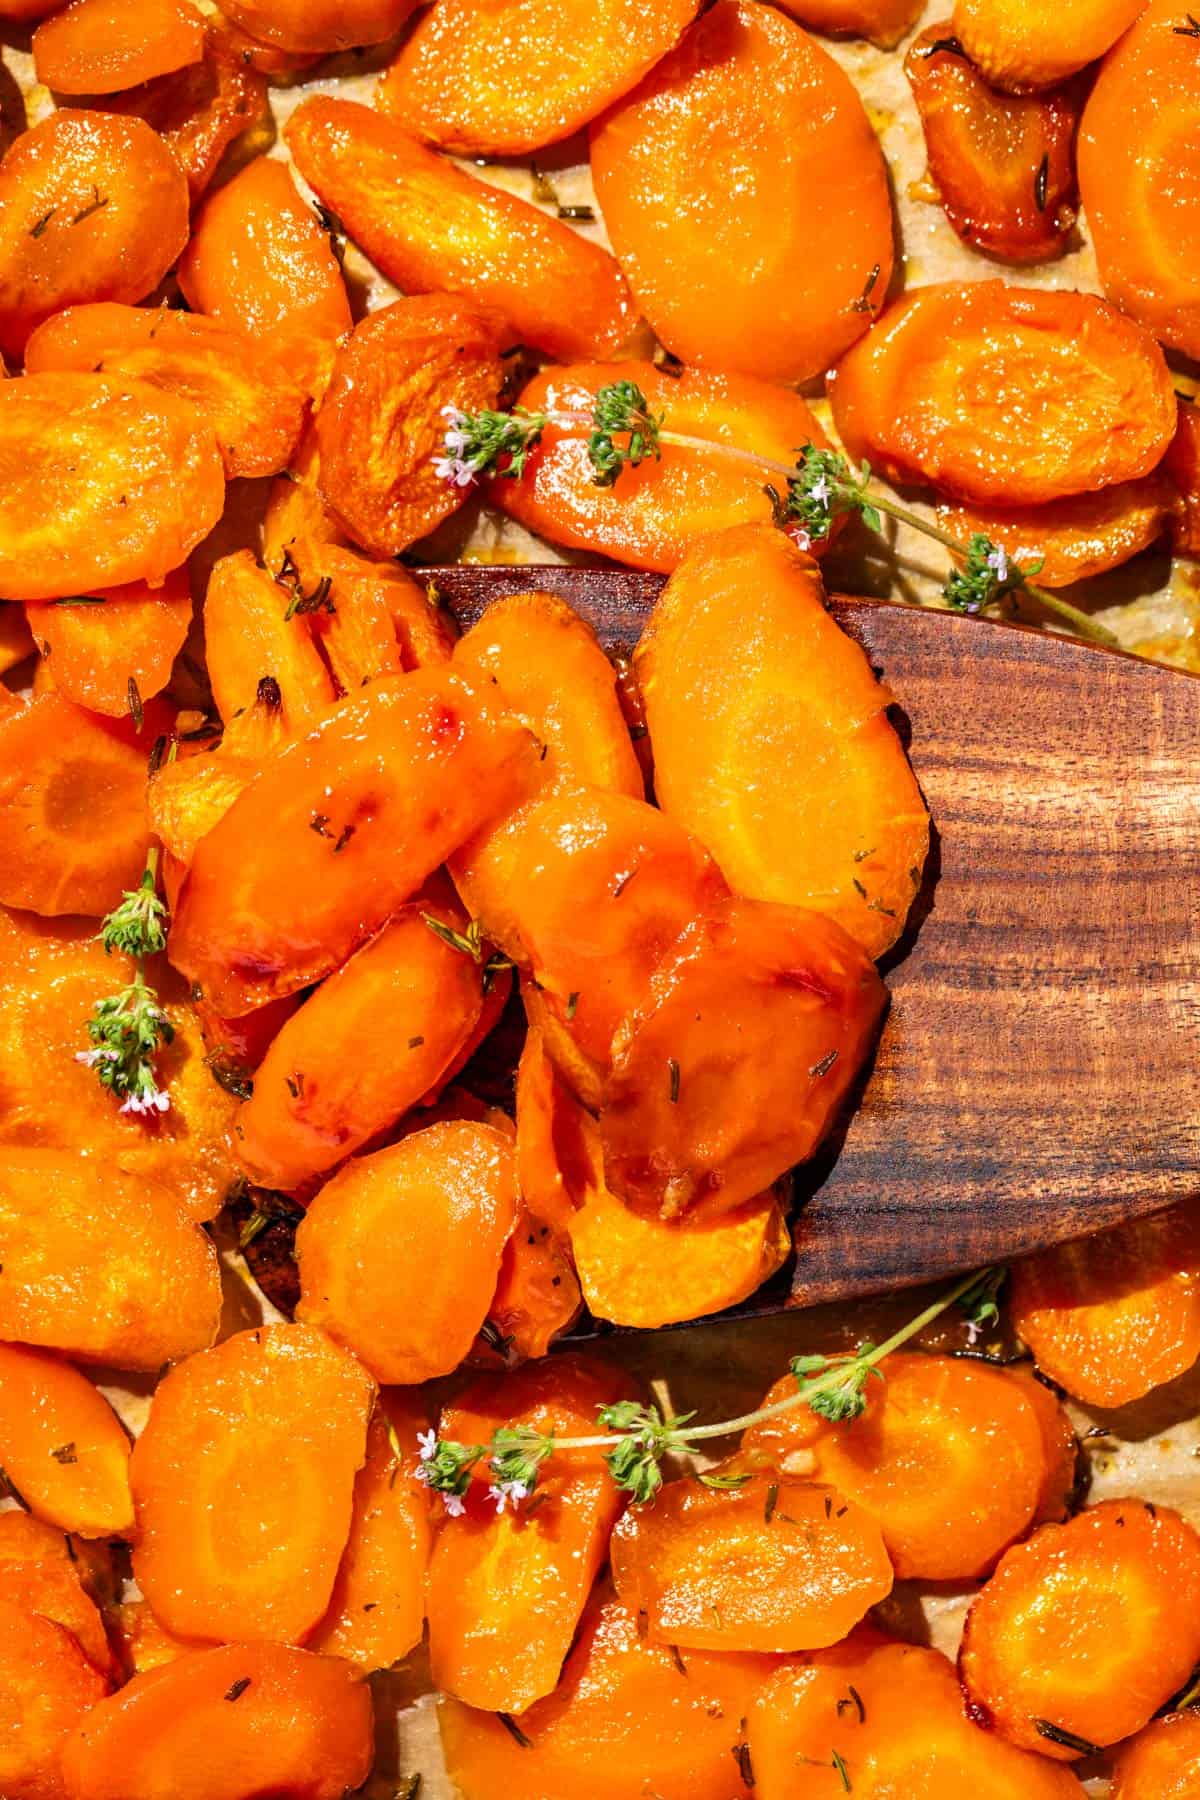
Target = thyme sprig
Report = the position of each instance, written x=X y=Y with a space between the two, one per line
x=128 y=1028
x=636 y=1439
x=820 y=487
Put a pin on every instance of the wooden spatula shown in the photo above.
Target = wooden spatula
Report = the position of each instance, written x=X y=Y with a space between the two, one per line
x=1039 y=1073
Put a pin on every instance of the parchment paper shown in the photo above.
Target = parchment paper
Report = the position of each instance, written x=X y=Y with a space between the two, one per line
x=1152 y=1448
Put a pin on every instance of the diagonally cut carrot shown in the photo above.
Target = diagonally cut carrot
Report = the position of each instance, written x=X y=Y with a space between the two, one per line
x=62 y=1445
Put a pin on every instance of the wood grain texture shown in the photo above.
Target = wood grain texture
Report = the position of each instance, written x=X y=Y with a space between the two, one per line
x=1038 y=1076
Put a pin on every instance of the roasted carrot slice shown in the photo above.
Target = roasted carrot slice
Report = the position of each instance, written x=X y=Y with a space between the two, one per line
x=114 y=1272
x=56 y=974
x=203 y=109
x=319 y=25
x=62 y=1445
x=295 y=512
x=883 y=21
x=73 y=825
x=537 y=1295
x=271 y=1427
x=515 y=77
x=255 y=629
x=628 y=1718
x=1059 y=1443
x=431 y=228
x=326 y=1086
x=660 y=506
x=949 y=1457
x=95 y=207
x=507 y=1585
x=382 y=620
x=48 y=1686
x=259 y=261
x=727 y=1569
x=1113 y=1315
x=1003 y=164
x=102 y=46
x=1162 y=1762
x=555 y=1148
x=647 y=1272
x=253 y=408
x=1074 y=538
x=875 y=1717
x=411 y=768
x=1138 y=162
x=400 y=1253
x=377 y=1609
x=39 y=1573
x=740 y=287
x=1005 y=395
x=771 y=1007
x=122 y=641
x=554 y=677
x=107 y=481
x=16 y=639
x=1181 y=465
x=380 y=423
x=740 y=662
x=240 y=1719
x=602 y=885
x=1018 y=46
x=1086 y=1630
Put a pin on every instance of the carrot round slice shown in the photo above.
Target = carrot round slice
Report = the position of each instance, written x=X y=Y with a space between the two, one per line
x=259 y=261
x=114 y=1272
x=628 y=1718
x=537 y=1293
x=1162 y=1763
x=57 y=972
x=271 y=1427
x=1006 y=395
x=40 y=1572
x=1075 y=538
x=755 y=1028
x=410 y=769
x=507 y=1587
x=254 y=409
x=380 y=423
x=319 y=26
x=1003 y=164
x=877 y=1718
x=883 y=21
x=1086 y=1630
x=102 y=46
x=1181 y=465
x=518 y=75
x=73 y=824
x=94 y=207
x=1139 y=166
x=47 y=1686
x=107 y=480
x=377 y=1608
x=772 y=741
x=62 y=1445
x=552 y=675
x=949 y=1457
x=747 y=1569
x=780 y=284
x=1018 y=46
x=124 y=636
x=1113 y=1315
x=651 y=518
x=646 y=1272
x=400 y=1252
x=255 y=630
x=322 y=1090
x=216 y=1724
x=432 y=228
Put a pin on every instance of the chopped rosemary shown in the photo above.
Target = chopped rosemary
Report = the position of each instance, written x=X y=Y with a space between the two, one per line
x=1041 y=183
x=673 y=1068
x=65 y=1454
x=514 y=1730
x=239 y=1687
x=1068 y=1740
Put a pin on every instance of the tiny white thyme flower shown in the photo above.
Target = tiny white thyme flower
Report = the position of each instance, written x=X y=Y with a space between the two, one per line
x=427 y=1447
x=506 y=1493
x=998 y=562
x=821 y=490
x=154 y=1099
x=89 y=1058
x=454 y=1504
